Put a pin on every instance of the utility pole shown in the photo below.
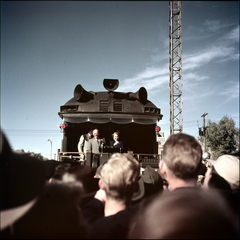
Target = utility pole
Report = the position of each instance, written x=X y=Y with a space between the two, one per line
x=51 y=148
x=204 y=131
x=175 y=68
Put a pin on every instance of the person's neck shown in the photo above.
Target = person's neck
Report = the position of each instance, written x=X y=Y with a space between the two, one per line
x=179 y=183
x=112 y=207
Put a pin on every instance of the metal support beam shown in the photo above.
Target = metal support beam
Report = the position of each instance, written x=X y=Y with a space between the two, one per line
x=204 y=131
x=175 y=68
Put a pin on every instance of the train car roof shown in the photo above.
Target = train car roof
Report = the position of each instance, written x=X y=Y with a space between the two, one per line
x=110 y=106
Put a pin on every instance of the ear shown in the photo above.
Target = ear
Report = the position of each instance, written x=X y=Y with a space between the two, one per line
x=163 y=168
x=100 y=184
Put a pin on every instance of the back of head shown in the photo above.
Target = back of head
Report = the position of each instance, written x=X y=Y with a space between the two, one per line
x=216 y=181
x=186 y=213
x=55 y=215
x=60 y=170
x=183 y=155
x=85 y=174
x=120 y=176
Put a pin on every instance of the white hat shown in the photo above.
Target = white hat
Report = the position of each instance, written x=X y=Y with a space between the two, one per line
x=227 y=166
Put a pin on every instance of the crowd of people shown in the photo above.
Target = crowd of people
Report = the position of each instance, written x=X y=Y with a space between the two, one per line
x=118 y=201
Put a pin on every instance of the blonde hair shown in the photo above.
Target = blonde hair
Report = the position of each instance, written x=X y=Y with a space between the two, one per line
x=115 y=133
x=120 y=176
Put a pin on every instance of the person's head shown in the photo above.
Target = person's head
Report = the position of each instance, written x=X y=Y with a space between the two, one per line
x=115 y=136
x=59 y=172
x=119 y=177
x=90 y=132
x=222 y=172
x=22 y=182
x=85 y=175
x=56 y=215
x=213 y=180
x=182 y=157
x=188 y=213
x=95 y=133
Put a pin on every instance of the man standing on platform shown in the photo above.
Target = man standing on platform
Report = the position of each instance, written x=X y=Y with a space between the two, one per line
x=95 y=142
x=84 y=143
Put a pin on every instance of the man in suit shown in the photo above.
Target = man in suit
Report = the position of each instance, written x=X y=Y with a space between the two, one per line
x=84 y=143
x=95 y=142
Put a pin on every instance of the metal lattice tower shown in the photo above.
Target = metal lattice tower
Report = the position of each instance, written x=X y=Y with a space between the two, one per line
x=175 y=54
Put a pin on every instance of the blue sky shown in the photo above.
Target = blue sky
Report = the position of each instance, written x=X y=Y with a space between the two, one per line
x=47 y=48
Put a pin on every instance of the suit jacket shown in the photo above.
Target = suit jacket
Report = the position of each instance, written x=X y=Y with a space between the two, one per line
x=84 y=143
x=94 y=145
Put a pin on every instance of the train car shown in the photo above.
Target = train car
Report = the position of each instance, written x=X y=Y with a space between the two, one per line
x=132 y=114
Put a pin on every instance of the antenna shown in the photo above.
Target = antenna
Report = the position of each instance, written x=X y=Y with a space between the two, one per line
x=204 y=131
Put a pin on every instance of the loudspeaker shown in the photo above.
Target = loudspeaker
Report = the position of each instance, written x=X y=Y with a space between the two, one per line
x=81 y=95
x=140 y=95
x=111 y=84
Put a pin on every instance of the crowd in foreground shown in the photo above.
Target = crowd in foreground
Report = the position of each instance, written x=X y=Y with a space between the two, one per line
x=117 y=200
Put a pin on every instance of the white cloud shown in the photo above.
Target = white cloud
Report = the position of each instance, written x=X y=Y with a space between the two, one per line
x=222 y=50
x=150 y=78
x=234 y=34
x=200 y=95
x=213 y=53
x=160 y=55
x=216 y=25
x=213 y=25
x=193 y=77
x=231 y=92
x=191 y=81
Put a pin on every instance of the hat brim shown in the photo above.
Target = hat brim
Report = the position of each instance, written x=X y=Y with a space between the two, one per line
x=141 y=191
x=9 y=216
x=22 y=178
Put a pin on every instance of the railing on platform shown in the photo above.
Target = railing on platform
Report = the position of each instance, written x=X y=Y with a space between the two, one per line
x=69 y=155
x=144 y=159
x=148 y=159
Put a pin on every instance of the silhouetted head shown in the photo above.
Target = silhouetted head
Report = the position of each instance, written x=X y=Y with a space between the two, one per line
x=186 y=213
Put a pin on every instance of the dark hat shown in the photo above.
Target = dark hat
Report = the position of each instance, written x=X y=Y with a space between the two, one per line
x=141 y=190
x=22 y=178
x=85 y=174
x=152 y=175
x=50 y=167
